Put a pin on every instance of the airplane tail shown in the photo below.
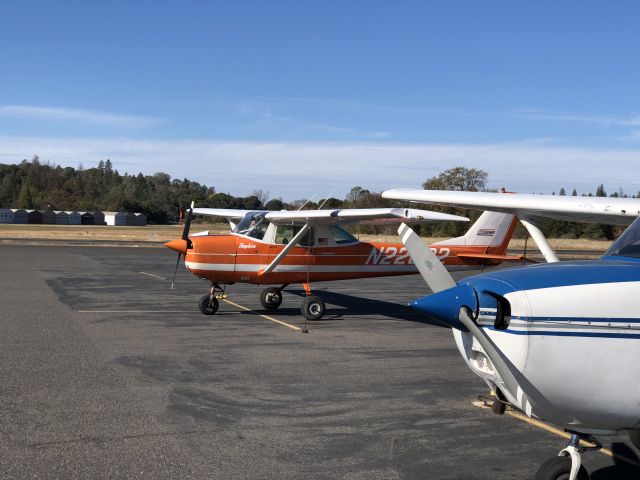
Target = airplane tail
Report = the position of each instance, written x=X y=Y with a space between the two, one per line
x=493 y=231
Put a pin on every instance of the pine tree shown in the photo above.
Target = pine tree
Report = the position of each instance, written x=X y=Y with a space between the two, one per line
x=25 y=200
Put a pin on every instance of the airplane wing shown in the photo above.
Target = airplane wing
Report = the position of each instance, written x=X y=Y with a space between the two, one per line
x=494 y=258
x=376 y=216
x=605 y=210
x=225 y=212
x=232 y=215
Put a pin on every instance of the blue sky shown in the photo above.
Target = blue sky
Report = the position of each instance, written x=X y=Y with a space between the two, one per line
x=298 y=98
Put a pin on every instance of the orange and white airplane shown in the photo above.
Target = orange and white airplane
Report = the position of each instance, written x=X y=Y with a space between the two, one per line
x=285 y=247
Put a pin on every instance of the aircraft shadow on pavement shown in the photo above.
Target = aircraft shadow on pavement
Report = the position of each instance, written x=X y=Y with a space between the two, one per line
x=354 y=306
x=626 y=465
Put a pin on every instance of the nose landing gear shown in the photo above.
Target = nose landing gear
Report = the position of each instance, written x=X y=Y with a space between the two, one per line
x=568 y=464
x=209 y=303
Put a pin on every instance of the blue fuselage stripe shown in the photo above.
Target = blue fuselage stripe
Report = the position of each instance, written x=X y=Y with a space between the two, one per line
x=576 y=319
x=569 y=334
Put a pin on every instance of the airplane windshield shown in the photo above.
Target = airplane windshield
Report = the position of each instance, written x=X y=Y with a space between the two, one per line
x=628 y=244
x=252 y=225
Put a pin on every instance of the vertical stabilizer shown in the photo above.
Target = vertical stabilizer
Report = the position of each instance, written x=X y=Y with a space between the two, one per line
x=492 y=230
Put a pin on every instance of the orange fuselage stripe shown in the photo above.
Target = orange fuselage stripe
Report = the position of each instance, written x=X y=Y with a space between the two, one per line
x=235 y=258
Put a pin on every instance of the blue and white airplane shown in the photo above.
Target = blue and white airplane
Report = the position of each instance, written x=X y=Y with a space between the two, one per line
x=558 y=341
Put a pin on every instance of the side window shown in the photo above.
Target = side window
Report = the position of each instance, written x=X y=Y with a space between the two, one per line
x=285 y=233
x=341 y=236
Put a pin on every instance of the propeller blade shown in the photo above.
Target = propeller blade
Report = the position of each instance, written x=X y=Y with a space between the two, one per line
x=513 y=381
x=175 y=245
x=430 y=267
x=175 y=272
x=187 y=223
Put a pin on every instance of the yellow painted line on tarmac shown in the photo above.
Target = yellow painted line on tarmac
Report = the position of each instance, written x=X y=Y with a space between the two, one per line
x=271 y=319
x=556 y=431
x=154 y=276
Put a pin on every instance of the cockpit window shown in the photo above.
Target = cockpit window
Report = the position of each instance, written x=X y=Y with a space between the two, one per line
x=285 y=233
x=628 y=245
x=341 y=236
x=252 y=225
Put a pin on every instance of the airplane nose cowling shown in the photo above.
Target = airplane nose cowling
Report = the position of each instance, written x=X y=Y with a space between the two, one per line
x=445 y=305
x=178 y=245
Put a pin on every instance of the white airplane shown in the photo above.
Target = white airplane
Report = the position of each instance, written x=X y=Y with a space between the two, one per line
x=558 y=341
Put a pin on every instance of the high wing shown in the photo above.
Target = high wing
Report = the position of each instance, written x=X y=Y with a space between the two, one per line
x=530 y=208
x=606 y=210
x=229 y=213
x=376 y=216
x=232 y=215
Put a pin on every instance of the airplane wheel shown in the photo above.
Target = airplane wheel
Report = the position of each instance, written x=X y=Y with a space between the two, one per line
x=208 y=307
x=498 y=407
x=313 y=308
x=559 y=468
x=634 y=436
x=271 y=298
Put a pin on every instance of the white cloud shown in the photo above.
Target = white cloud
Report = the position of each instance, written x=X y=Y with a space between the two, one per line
x=79 y=115
x=600 y=120
x=295 y=170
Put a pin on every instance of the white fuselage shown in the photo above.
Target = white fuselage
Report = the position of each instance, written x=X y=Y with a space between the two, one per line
x=575 y=350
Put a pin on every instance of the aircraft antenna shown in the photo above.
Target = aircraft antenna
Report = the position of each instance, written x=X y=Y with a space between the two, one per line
x=307 y=201
x=325 y=200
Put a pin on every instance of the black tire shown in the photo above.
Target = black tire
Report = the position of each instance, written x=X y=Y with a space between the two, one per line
x=498 y=407
x=313 y=308
x=559 y=468
x=634 y=436
x=271 y=298
x=208 y=307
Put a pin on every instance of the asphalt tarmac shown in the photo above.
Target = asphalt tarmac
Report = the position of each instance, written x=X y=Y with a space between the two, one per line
x=106 y=372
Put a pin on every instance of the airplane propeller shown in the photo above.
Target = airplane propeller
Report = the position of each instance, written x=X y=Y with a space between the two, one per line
x=181 y=245
x=454 y=304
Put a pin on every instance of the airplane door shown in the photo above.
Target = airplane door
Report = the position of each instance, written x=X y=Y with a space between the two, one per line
x=248 y=258
x=294 y=266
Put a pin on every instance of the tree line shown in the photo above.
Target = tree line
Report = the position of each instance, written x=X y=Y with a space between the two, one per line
x=36 y=185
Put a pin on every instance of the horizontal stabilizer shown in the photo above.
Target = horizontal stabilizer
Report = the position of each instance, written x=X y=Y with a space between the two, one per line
x=497 y=258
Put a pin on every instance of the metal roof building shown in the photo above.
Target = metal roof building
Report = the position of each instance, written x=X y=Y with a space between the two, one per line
x=7 y=215
x=21 y=215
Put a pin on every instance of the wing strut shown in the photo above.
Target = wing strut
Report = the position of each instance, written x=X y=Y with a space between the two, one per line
x=276 y=261
x=548 y=253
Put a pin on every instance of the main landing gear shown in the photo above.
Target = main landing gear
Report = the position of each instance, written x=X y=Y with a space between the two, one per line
x=312 y=307
x=271 y=298
x=568 y=464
